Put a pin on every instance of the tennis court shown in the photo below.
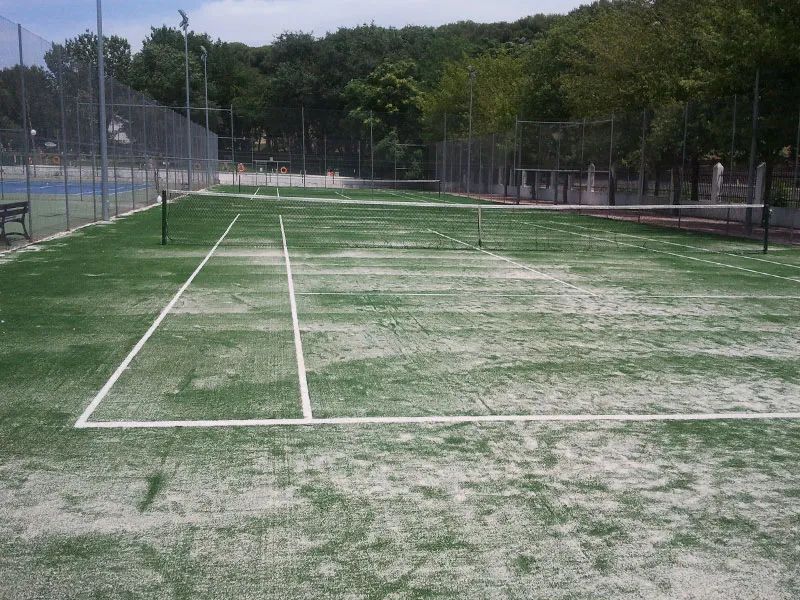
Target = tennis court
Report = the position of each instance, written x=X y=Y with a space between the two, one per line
x=314 y=309
x=327 y=397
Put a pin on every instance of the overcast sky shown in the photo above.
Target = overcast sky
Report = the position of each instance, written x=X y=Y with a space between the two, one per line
x=257 y=22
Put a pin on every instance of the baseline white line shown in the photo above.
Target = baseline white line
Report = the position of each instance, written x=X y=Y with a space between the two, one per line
x=679 y=245
x=694 y=258
x=516 y=264
x=454 y=419
x=81 y=422
x=298 y=344
x=631 y=295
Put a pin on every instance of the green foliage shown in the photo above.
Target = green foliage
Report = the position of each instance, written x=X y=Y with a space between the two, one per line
x=80 y=51
x=498 y=88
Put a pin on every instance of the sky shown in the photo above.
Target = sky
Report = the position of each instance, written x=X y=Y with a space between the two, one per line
x=258 y=22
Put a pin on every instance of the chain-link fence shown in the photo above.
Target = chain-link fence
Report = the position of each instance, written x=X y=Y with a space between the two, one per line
x=50 y=139
x=693 y=153
x=314 y=147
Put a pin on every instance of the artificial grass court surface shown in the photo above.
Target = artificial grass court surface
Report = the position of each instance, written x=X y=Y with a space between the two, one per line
x=553 y=510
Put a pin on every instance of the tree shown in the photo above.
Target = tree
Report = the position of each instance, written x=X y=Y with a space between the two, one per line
x=498 y=89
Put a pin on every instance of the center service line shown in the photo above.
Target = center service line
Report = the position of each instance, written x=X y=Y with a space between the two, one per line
x=298 y=344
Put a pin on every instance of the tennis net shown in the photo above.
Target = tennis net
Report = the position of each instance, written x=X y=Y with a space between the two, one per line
x=201 y=217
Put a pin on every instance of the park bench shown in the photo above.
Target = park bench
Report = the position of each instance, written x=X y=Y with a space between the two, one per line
x=13 y=212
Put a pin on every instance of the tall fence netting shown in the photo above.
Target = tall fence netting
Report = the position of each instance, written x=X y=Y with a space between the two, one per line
x=50 y=138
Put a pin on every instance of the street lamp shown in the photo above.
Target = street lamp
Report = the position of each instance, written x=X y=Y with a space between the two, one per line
x=204 y=56
x=472 y=74
x=185 y=26
x=101 y=103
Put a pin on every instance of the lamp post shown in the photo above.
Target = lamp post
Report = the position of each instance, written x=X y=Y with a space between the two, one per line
x=204 y=56
x=185 y=26
x=101 y=101
x=472 y=74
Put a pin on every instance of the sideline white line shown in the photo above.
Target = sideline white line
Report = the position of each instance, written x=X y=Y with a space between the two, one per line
x=694 y=258
x=455 y=419
x=253 y=197
x=343 y=196
x=516 y=264
x=81 y=422
x=298 y=344
x=278 y=190
x=679 y=245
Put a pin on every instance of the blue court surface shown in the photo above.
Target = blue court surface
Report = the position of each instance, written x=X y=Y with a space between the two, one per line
x=56 y=188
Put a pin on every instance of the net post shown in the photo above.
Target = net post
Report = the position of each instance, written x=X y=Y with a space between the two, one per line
x=767 y=214
x=480 y=228
x=163 y=217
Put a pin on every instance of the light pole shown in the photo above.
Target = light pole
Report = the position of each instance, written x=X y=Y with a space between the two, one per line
x=472 y=74
x=204 y=56
x=101 y=100
x=185 y=26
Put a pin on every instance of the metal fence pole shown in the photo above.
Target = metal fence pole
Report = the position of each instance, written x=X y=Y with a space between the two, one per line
x=514 y=159
x=78 y=135
x=611 y=161
x=371 y=151
x=114 y=148
x=25 y=131
x=580 y=164
x=233 y=142
x=642 y=174
x=303 y=127
x=733 y=134
x=63 y=142
x=682 y=175
x=751 y=190
x=796 y=152
x=444 y=153
x=130 y=148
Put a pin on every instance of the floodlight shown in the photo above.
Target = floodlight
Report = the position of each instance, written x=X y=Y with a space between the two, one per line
x=184 y=20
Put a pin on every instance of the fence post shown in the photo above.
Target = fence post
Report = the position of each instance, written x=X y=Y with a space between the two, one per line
x=444 y=152
x=303 y=127
x=25 y=131
x=163 y=217
x=611 y=197
x=642 y=175
x=751 y=191
x=63 y=142
x=796 y=148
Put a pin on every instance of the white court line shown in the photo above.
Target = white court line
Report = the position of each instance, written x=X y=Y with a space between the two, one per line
x=445 y=420
x=630 y=295
x=343 y=196
x=516 y=264
x=81 y=422
x=278 y=190
x=298 y=344
x=694 y=258
x=253 y=197
x=658 y=241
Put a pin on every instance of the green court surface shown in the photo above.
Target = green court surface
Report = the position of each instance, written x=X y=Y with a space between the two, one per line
x=300 y=399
